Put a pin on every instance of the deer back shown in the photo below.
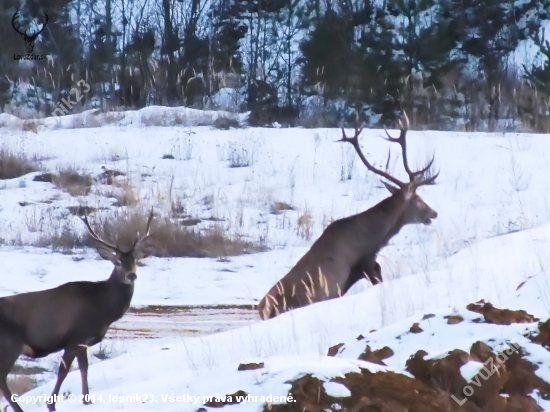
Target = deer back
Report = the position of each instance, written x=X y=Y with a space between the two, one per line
x=80 y=312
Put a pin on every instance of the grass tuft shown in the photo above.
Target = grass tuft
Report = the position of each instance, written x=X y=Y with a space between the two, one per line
x=71 y=181
x=14 y=165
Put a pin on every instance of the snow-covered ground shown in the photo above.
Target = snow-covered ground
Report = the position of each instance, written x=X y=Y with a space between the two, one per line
x=492 y=233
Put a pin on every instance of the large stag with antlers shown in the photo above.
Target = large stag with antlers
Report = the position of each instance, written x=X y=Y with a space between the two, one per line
x=70 y=317
x=346 y=251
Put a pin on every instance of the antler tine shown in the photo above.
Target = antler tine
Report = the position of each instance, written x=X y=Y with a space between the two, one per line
x=14 y=22
x=429 y=181
x=355 y=143
x=96 y=237
x=422 y=171
x=147 y=231
x=401 y=140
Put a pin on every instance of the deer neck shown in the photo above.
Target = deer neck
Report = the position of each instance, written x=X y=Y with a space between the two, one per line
x=119 y=296
x=390 y=214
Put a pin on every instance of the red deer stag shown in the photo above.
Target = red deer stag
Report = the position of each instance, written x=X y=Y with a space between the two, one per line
x=346 y=251
x=70 y=317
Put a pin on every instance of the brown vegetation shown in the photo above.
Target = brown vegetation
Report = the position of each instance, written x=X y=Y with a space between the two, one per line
x=172 y=239
x=14 y=165
x=73 y=182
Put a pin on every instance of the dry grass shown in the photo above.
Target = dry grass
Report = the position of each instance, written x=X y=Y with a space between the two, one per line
x=104 y=351
x=14 y=164
x=63 y=239
x=172 y=239
x=178 y=209
x=126 y=195
x=57 y=232
x=20 y=384
x=74 y=182
x=225 y=123
x=276 y=208
x=240 y=156
x=305 y=226
x=22 y=379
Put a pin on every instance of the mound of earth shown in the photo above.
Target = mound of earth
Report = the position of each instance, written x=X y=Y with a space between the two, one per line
x=504 y=367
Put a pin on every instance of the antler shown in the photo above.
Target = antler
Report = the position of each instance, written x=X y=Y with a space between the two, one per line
x=403 y=143
x=355 y=143
x=33 y=36
x=96 y=237
x=147 y=230
x=14 y=22
x=116 y=248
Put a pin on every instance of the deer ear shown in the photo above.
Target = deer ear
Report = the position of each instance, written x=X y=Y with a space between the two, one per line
x=107 y=254
x=391 y=188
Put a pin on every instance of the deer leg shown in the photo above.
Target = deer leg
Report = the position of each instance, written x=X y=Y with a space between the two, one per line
x=366 y=269
x=82 y=358
x=64 y=367
x=374 y=273
x=10 y=349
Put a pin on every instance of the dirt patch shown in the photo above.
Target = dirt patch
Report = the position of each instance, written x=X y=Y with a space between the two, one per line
x=376 y=356
x=250 y=366
x=372 y=392
x=502 y=373
x=152 y=322
x=435 y=383
x=454 y=319
x=415 y=328
x=333 y=350
x=500 y=316
x=543 y=337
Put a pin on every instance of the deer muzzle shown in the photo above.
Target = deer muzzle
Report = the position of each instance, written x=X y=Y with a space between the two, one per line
x=432 y=214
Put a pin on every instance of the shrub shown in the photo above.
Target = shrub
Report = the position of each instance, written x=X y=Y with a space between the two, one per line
x=60 y=235
x=14 y=165
x=172 y=239
x=277 y=207
x=73 y=182
x=225 y=123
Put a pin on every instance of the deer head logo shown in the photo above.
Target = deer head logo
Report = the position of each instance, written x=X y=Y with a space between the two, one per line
x=28 y=37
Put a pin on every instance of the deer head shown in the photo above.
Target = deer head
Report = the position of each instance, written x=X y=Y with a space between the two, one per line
x=29 y=38
x=125 y=261
x=416 y=210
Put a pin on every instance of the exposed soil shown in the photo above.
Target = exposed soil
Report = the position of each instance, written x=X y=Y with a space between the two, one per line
x=162 y=321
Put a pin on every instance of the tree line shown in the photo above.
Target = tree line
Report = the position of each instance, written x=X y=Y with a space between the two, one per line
x=449 y=63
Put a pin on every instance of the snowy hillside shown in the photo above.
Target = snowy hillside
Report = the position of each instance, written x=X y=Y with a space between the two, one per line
x=279 y=188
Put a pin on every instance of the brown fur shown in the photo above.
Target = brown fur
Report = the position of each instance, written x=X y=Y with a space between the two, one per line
x=70 y=317
x=345 y=253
